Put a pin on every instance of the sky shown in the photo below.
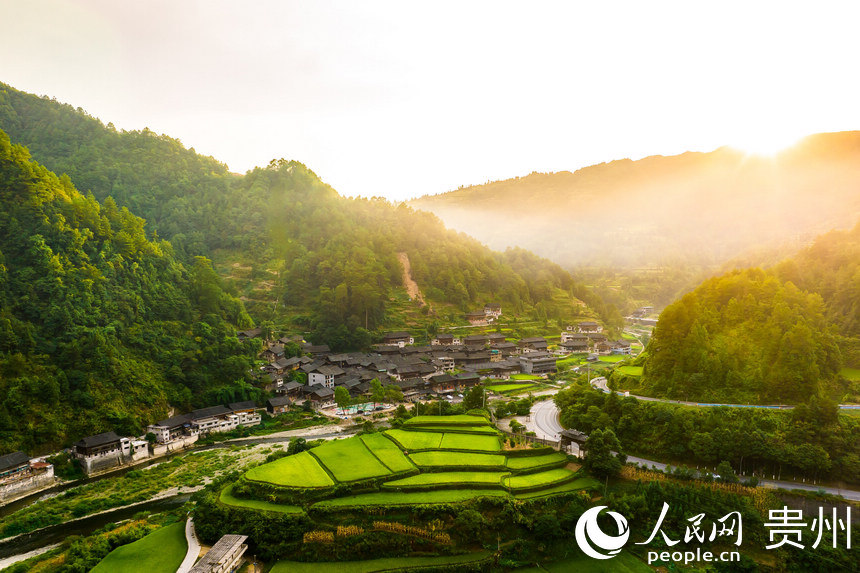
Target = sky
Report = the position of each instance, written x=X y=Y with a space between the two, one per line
x=401 y=99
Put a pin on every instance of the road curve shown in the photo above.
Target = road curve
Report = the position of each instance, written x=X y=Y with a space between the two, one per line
x=544 y=423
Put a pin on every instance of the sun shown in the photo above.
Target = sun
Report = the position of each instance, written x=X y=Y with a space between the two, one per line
x=765 y=144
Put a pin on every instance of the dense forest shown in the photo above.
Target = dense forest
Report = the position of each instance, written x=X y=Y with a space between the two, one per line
x=96 y=317
x=335 y=258
x=695 y=210
x=777 y=335
x=812 y=440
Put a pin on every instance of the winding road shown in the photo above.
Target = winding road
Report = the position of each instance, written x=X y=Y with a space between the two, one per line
x=544 y=423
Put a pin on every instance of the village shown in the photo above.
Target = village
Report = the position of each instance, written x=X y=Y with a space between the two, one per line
x=450 y=365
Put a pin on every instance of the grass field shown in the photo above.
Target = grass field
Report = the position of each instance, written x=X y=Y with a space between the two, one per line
x=377 y=565
x=162 y=551
x=300 y=470
x=525 y=377
x=454 y=459
x=575 y=485
x=613 y=358
x=448 y=478
x=527 y=462
x=350 y=460
x=631 y=370
x=387 y=452
x=227 y=498
x=622 y=563
x=459 y=420
x=850 y=373
x=488 y=430
x=539 y=479
x=416 y=440
x=571 y=361
x=470 y=442
x=406 y=498
x=508 y=387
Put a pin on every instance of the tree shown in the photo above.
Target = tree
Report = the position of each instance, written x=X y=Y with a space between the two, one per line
x=726 y=473
x=341 y=397
x=377 y=392
x=296 y=446
x=599 y=457
x=474 y=398
x=393 y=394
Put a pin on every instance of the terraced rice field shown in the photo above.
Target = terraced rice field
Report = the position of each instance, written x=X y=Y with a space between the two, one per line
x=459 y=420
x=458 y=459
x=416 y=440
x=457 y=429
x=300 y=470
x=575 y=485
x=465 y=479
x=226 y=497
x=540 y=479
x=387 y=452
x=471 y=442
x=509 y=387
x=349 y=460
x=528 y=462
x=379 y=565
x=410 y=498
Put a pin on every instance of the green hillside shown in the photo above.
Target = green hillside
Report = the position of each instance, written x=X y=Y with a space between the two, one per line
x=296 y=252
x=95 y=318
x=781 y=335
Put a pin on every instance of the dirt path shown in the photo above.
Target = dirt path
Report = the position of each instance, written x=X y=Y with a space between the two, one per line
x=411 y=286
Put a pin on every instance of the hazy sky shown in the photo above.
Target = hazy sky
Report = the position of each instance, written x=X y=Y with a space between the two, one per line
x=402 y=98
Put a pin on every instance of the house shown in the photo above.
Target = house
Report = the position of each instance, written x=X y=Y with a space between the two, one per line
x=400 y=339
x=533 y=344
x=107 y=450
x=273 y=353
x=493 y=310
x=475 y=341
x=246 y=412
x=575 y=345
x=603 y=347
x=13 y=465
x=278 y=405
x=476 y=318
x=589 y=326
x=620 y=347
x=20 y=475
x=412 y=387
x=467 y=380
x=595 y=338
x=321 y=396
x=224 y=557
x=495 y=338
x=316 y=350
x=505 y=348
x=567 y=335
x=291 y=389
x=244 y=335
x=538 y=363
x=443 y=384
x=444 y=340
x=325 y=375
x=505 y=368
x=171 y=428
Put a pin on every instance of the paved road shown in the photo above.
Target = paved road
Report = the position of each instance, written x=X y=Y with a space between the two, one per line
x=545 y=424
x=193 y=548
x=600 y=384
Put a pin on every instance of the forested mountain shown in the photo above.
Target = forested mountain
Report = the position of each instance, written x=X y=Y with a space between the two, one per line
x=96 y=318
x=695 y=208
x=777 y=335
x=335 y=259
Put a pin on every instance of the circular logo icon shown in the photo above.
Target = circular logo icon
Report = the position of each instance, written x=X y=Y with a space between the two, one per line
x=591 y=538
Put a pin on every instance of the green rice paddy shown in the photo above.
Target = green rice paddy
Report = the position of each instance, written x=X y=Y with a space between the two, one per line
x=447 y=478
x=540 y=479
x=300 y=470
x=470 y=442
x=458 y=459
x=528 y=462
x=631 y=370
x=349 y=460
x=387 y=452
x=227 y=498
x=379 y=565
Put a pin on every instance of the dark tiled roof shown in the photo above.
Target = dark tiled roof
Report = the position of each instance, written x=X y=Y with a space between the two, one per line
x=13 y=460
x=278 y=401
x=209 y=412
x=175 y=421
x=247 y=405
x=98 y=440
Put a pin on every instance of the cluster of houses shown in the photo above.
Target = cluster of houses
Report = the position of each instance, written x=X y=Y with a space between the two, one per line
x=419 y=371
x=20 y=474
x=588 y=337
x=490 y=313
x=639 y=316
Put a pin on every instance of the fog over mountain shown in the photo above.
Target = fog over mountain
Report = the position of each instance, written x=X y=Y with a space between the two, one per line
x=699 y=208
